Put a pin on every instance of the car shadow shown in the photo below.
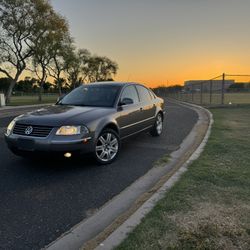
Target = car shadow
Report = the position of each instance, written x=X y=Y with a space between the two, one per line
x=48 y=162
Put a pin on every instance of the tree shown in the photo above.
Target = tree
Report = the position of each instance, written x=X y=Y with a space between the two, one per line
x=31 y=31
x=49 y=45
x=77 y=64
x=19 y=22
x=62 y=84
x=100 y=69
x=236 y=87
x=47 y=86
x=61 y=58
x=25 y=85
x=83 y=67
x=4 y=84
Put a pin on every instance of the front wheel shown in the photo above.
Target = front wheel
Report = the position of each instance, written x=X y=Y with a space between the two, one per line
x=158 y=126
x=107 y=146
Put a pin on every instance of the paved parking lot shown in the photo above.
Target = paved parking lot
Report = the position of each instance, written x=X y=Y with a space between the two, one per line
x=40 y=200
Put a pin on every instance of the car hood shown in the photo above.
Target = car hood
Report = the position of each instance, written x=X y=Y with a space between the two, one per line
x=58 y=115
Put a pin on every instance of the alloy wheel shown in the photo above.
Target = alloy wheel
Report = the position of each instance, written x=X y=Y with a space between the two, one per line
x=107 y=147
x=159 y=124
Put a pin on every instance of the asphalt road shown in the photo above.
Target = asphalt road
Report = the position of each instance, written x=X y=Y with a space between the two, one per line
x=40 y=200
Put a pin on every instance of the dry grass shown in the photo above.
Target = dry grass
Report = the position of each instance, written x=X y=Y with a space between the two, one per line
x=211 y=226
x=162 y=161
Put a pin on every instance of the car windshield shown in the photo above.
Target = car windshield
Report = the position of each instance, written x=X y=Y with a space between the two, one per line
x=92 y=95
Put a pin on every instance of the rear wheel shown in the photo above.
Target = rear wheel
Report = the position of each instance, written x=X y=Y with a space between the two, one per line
x=107 y=146
x=158 y=126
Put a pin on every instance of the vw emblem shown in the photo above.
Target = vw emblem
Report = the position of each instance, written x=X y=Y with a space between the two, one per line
x=28 y=130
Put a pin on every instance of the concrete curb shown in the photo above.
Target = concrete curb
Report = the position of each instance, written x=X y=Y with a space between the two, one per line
x=128 y=226
x=104 y=225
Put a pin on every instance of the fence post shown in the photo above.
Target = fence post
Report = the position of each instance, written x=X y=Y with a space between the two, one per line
x=192 y=92
x=222 y=88
x=210 y=91
x=201 y=96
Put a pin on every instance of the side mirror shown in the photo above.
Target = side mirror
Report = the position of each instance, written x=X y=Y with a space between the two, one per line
x=126 y=101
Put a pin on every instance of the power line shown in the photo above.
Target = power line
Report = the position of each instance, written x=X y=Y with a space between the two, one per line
x=238 y=75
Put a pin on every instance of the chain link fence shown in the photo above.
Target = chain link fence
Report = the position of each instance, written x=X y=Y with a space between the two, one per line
x=222 y=89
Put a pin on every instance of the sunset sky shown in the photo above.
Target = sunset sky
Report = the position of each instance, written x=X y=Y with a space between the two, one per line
x=163 y=41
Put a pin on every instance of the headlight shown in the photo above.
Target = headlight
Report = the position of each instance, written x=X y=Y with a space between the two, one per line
x=10 y=127
x=72 y=130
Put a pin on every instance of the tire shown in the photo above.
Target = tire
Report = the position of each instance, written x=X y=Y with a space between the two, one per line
x=107 y=146
x=158 y=125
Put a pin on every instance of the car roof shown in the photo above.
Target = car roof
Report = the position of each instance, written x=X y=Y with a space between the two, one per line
x=112 y=83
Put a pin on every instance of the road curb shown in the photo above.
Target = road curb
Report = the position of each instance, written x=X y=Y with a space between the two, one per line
x=110 y=224
x=128 y=226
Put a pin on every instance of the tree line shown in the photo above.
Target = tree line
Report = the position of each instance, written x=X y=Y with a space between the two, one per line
x=30 y=85
x=36 y=39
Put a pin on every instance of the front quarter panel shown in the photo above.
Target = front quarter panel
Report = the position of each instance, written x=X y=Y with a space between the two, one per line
x=98 y=125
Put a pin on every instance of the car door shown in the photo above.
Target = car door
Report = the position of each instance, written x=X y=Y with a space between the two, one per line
x=128 y=118
x=147 y=106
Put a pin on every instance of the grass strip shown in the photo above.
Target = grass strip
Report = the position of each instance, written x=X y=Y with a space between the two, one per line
x=30 y=100
x=209 y=207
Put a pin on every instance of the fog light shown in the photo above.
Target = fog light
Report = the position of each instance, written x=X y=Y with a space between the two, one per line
x=67 y=155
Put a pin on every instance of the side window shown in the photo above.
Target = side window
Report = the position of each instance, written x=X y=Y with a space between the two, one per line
x=144 y=94
x=151 y=93
x=130 y=92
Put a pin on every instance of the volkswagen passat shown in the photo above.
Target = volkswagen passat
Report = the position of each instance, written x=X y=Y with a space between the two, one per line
x=92 y=118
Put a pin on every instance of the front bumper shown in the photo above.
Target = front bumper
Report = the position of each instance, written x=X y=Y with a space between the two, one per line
x=50 y=144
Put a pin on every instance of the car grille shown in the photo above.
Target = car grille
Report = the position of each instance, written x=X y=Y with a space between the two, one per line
x=32 y=130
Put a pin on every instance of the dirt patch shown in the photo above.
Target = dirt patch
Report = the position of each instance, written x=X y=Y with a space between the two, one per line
x=211 y=226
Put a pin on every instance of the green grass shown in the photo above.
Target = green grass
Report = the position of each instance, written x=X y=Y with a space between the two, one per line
x=234 y=98
x=209 y=207
x=237 y=98
x=29 y=100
